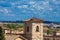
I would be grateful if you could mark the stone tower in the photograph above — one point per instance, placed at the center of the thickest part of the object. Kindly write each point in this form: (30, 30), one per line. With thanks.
(34, 29)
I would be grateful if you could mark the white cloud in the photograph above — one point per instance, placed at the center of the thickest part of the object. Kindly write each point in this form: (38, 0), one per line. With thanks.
(9, 14)
(32, 2)
(19, 6)
(24, 11)
(50, 8)
(22, 6)
(56, 1)
(32, 9)
(25, 6)
(41, 5)
(14, 3)
(46, 3)
(56, 14)
(5, 10)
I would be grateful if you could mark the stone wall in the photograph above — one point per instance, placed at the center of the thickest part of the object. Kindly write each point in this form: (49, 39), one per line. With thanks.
(11, 37)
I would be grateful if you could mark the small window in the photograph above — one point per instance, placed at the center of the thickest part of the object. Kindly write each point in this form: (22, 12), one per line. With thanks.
(37, 29)
(47, 39)
(27, 29)
(44, 39)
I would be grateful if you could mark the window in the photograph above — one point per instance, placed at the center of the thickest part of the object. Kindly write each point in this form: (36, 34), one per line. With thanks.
(37, 29)
(27, 29)
(44, 39)
(47, 39)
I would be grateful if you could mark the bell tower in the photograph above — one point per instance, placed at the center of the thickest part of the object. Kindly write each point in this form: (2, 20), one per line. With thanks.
(34, 29)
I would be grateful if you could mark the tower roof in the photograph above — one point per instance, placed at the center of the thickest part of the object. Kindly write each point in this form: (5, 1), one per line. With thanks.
(34, 20)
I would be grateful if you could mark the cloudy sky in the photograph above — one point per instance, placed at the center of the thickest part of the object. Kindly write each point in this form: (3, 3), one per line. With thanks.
(12, 10)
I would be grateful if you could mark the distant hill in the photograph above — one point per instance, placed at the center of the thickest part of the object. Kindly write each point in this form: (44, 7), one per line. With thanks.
(23, 22)
(51, 22)
(11, 21)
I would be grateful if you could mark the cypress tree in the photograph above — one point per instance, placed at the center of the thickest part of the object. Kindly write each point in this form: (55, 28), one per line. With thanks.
(1, 34)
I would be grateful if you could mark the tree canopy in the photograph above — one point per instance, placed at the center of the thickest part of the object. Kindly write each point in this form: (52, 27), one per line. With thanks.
(14, 26)
(1, 34)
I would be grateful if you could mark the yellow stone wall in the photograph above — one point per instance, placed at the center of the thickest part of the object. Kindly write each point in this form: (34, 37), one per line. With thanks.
(37, 35)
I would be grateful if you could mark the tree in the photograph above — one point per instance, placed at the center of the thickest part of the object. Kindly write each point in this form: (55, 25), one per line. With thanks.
(11, 26)
(1, 34)
(14, 26)
(48, 32)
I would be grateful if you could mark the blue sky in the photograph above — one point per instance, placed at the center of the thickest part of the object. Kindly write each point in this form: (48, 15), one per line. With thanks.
(12, 10)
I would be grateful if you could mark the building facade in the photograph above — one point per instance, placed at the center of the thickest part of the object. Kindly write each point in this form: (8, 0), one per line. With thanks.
(34, 29)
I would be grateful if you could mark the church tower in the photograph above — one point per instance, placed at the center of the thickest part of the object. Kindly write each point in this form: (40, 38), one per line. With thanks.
(33, 29)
